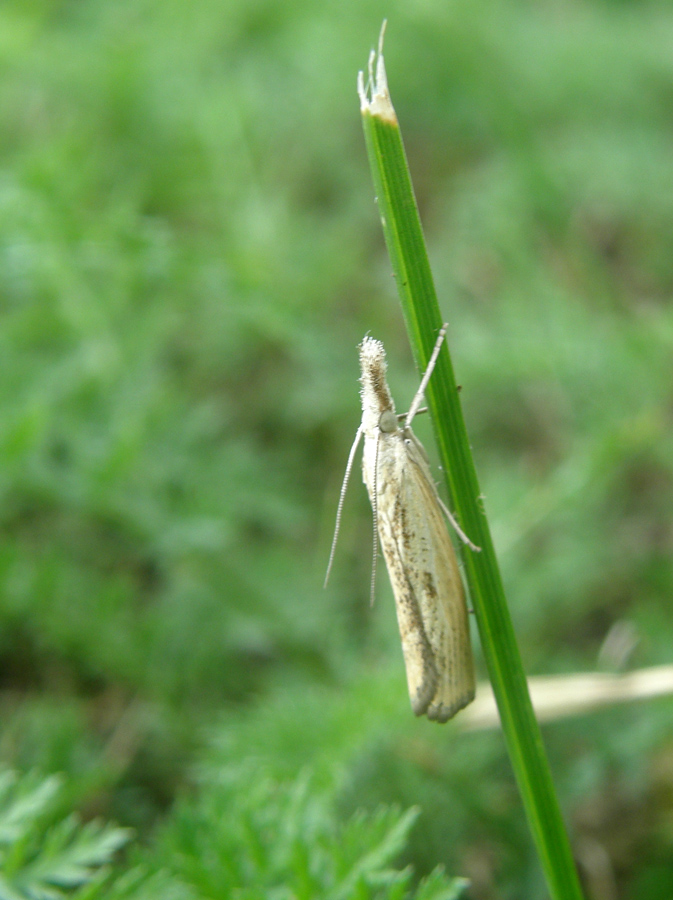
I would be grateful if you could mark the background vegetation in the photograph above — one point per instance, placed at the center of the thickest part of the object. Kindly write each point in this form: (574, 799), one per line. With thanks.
(189, 255)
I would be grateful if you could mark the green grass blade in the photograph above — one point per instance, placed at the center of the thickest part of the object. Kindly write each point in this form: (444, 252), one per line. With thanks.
(406, 246)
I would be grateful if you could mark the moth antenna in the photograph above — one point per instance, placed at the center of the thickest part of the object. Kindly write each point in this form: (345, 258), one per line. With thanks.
(459, 531)
(416, 402)
(342, 496)
(375, 516)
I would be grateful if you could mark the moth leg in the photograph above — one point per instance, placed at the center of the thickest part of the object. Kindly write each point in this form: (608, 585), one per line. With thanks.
(459, 531)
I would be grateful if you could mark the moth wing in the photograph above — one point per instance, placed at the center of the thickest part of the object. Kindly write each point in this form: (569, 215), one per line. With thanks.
(434, 579)
(392, 516)
(419, 660)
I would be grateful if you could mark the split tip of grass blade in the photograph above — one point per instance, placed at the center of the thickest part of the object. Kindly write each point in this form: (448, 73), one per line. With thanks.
(374, 94)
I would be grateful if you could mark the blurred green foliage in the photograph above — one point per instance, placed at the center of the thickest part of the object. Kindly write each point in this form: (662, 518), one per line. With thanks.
(189, 254)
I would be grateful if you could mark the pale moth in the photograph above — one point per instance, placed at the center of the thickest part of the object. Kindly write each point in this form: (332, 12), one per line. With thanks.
(429, 595)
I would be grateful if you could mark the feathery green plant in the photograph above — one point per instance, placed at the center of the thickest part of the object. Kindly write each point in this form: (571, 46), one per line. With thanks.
(242, 834)
(42, 858)
(251, 834)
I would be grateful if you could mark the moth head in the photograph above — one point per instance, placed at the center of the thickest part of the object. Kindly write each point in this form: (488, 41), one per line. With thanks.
(376, 399)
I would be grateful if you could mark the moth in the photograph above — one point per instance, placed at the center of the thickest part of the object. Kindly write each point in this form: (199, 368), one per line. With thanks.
(409, 518)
